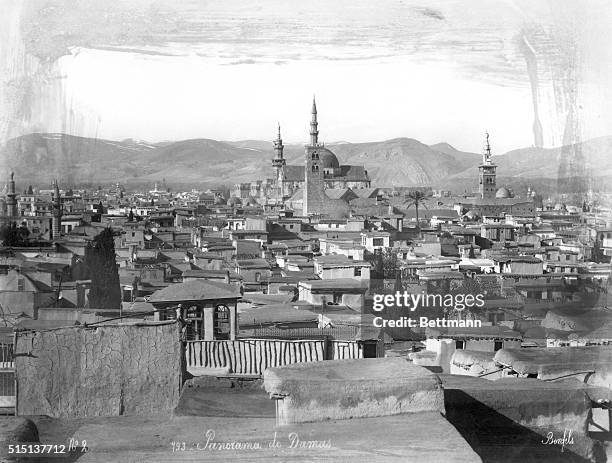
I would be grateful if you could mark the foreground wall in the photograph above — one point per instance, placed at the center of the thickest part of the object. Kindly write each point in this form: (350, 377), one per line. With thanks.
(102, 371)
(356, 388)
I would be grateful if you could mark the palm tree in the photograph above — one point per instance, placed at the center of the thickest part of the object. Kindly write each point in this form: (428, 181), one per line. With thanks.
(416, 198)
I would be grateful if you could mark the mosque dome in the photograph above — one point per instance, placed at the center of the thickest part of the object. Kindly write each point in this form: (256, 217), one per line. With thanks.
(503, 192)
(328, 159)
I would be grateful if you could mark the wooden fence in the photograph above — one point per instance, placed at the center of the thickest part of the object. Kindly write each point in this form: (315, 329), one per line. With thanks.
(253, 356)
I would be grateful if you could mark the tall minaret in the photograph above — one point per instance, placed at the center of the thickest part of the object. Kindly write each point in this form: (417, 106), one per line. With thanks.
(57, 211)
(279, 165)
(314, 131)
(487, 182)
(314, 198)
(11, 197)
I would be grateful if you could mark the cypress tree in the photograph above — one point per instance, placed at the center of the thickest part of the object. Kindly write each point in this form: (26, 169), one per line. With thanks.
(105, 292)
(472, 254)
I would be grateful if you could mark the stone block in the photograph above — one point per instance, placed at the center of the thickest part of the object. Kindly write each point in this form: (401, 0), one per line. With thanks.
(344, 389)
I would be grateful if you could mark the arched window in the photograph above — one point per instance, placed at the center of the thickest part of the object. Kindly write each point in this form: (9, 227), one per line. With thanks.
(221, 320)
(315, 155)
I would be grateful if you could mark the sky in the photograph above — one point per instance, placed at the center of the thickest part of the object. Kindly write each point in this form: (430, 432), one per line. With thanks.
(357, 101)
(433, 70)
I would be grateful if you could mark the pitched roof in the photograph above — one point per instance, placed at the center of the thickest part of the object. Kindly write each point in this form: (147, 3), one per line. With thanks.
(195, 290)
(345, 194)
(355, 173)
(366, 192)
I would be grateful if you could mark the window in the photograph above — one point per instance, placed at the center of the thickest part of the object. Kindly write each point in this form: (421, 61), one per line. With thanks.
(337, 298)
(459, 344)
(369, 350)
(357, 272)
(20, 284)
(497, 345)
(377, 242)
(257, 276)
(221, 321)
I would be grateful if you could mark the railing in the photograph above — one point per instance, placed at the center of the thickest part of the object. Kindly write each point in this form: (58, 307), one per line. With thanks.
(343, 332)
(253, 356)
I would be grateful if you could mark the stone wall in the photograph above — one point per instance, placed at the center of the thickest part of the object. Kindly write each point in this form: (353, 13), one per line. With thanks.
(131, 369)
(357, 388)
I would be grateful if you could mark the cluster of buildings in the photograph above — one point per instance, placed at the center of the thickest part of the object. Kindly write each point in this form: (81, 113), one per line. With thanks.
(300, 256)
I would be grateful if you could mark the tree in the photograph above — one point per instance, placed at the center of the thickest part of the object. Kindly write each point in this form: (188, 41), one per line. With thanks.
(598, 254)
(13, 236)
(105, 292)
(398, 287)
(131, 216)
(390, 264)
(376, 272)
(416, 199)
(472, 254)
(30, 190)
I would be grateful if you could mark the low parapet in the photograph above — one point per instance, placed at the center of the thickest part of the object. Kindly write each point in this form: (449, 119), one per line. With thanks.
(359, 388)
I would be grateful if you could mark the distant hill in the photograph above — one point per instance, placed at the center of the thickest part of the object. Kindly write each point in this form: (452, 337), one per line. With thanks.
(39, 157)
(553, 163)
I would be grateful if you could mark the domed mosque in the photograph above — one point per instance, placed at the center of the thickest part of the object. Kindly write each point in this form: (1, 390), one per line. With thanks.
(490, 200)
(321, 185)
(504, 192)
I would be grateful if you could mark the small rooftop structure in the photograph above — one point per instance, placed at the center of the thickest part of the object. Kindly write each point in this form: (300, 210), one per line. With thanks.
(196, 290)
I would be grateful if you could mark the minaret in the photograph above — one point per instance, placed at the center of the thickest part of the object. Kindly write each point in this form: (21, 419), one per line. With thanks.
(314, 198)
(11, 197)
(57, 211)
(279, 165)
(487, 182)
(314, 131)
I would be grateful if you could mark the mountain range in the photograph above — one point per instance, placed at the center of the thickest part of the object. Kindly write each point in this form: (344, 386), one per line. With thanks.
(37, 158)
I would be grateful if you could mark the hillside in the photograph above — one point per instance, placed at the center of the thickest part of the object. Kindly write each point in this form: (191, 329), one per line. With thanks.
(554, 163)
(38, 158)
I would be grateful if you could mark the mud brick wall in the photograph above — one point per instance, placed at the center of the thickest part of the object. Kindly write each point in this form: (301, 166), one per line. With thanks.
(104, 371)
